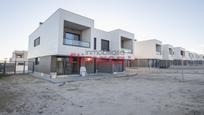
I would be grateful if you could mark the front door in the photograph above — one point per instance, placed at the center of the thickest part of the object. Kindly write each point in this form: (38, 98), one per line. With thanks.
(118, 67)
(75, 65)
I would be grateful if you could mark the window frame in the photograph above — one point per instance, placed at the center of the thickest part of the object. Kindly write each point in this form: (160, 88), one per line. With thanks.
(103, 40)
(95, 42)
(182, 53)
(37, 42)
(158, 47)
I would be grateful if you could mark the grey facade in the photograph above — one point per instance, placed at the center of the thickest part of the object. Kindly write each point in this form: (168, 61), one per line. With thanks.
(65, 65)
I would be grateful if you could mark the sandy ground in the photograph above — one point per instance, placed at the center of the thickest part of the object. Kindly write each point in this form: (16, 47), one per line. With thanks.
(144, 94)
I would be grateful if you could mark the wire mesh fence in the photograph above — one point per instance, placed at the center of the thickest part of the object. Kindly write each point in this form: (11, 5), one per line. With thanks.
(16, 67)
(167, 66)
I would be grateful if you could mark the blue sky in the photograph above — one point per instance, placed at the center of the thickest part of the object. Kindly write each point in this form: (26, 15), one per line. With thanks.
(176, 22)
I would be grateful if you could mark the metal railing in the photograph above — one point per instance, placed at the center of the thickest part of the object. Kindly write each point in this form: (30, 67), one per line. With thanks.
(166, 66)
(16, 67)
(125, 50)
(77, 43)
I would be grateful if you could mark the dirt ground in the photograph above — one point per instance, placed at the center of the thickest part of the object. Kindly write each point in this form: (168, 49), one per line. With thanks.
(144, 94)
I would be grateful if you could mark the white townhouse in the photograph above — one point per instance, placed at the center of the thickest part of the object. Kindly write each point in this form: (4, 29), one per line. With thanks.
(62, 42)
(188, 55)
(20, 57)
(198, 58)
(179, 53)
(179, 56)
(148, 53)
(194, 58)
(167, 56)
(167, 52)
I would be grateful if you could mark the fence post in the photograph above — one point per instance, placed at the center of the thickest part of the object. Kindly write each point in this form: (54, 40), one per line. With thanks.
(33, 68)
(15, 68)
(24, 67)
(182, 70)
(4, 69)
(149, 64)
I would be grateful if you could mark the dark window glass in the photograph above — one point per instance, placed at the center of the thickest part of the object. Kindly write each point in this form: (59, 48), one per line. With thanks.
(105, 45)
(171, 51)
(37, 61)
(158, 48)
(182, 53)
(95, 43)
(37, 42)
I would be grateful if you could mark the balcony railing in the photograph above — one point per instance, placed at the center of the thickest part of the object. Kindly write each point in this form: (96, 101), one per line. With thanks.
(77, 43)
(158, 53)
(126, 50)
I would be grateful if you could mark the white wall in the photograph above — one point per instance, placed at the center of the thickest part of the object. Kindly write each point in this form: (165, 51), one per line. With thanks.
(187, 55)
(49, 34)
(177, 53)
(75, 18)
(100, 34)
(147, 49)
(165, 52)
(116, 36)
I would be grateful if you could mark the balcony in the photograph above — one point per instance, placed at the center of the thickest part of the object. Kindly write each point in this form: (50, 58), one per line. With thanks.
(77, 43)
(125, 50)
(158, 53)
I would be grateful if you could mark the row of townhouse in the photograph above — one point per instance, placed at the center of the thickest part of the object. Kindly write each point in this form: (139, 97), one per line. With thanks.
(152, 53)
(66, 41)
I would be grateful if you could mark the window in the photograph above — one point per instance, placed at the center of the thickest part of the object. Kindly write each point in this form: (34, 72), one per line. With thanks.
(72, 36)
(171, 51)
(37, 42)
(105, 45)
(20, 63)
(94, 43)
(75, 40)
(122, 43)
(158, 48)
(182, 53)
(37, 61)
(19, 56)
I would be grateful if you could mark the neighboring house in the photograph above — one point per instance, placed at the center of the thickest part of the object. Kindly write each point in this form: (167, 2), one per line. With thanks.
(19, 57)
(167, 56)
(148, 53)
(202, 58)
(167, 52)
(187, 55)
(198, 59)
(66, 38)
(179, 56)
